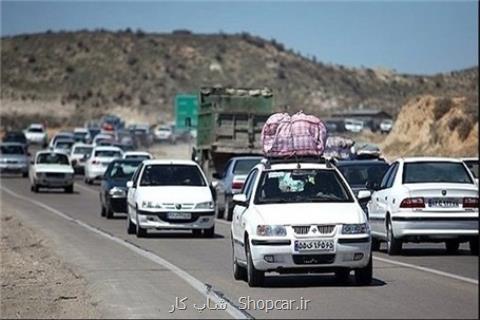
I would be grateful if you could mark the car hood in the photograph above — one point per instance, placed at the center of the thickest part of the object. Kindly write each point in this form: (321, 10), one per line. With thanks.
(116, 183)
(175, 194)
(310, 213)
(16, 157)
(53, 168)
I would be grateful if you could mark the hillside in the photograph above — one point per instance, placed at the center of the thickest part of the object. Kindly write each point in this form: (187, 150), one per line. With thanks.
(76, 75)
(434, 126)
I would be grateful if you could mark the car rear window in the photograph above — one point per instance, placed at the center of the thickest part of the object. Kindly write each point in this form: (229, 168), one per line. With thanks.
(360, 174)
(82, 150)
(137, 157)
(35, 130)
(473, 166)
(108, 153)
(172, 175)
(244, 166)
(64, 144)
(12, 150)
(52, 158)
(122, 170)
(435, 171)
(301, 186)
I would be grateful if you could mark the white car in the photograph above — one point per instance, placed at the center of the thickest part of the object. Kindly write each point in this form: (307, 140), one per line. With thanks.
(81, 135)
(425, 200)
(297, 218)
(353, 125)
(170, 194)
(99, 159)
(63, 145)
(37, 134)
(386, 126)
(164, 133)
(135, 155)
(58, 136)
(102, 136)
(79, 155)
(472, 164)
(51, 170)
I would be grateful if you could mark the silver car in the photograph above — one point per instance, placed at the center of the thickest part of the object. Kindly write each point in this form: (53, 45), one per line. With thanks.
(14, 158)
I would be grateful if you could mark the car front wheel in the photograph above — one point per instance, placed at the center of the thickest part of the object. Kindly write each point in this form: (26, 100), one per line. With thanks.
(363, 276)
(255, 278)
(239, 272)
(131, 229)
(452, 246)
(474, 246)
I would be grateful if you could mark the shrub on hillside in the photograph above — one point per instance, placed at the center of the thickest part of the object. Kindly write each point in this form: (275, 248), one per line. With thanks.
(454, 122)
(442, 106)
(464, 128)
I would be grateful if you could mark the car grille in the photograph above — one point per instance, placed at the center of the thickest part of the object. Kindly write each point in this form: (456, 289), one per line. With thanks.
(322, 229)
(313, 258)
(183, 206)
(55, 175)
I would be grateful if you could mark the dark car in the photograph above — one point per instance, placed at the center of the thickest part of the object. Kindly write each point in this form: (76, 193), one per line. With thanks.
(113, 190)
(15, 136)
(362, 175)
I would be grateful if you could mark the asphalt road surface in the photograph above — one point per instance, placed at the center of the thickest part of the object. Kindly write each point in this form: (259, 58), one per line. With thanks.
(143, 277)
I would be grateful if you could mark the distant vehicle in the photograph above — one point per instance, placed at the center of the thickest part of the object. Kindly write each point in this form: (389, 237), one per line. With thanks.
(126, 147)
(425, 200)
(51, 170)
(170, 194)
(353, 125)
(14, 158)
(137, 155)
(63, 145)
(104, 142)
(93, 132)
(60, 135)
(366, 150)
(36, 134)
(164, 133)
(299, 217)
(111, 123)
(331, 126)
(113, 190)
(386, 126)
(81, 135)
(98, 162)
(141, 134)
(15, 136)
(102, 136)
(472, 164)
(79, 155)
(362, 175)
(230, 182)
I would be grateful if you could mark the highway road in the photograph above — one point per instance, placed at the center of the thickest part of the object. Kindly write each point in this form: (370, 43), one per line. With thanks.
(143, 277)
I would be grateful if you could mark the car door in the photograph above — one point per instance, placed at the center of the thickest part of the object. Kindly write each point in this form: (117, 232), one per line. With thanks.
(374, 212)
(238, 220)
(131, 193)
(384, 199)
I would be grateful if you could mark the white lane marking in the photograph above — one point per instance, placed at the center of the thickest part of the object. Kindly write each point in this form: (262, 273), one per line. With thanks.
(408, 265)
(78, 185)
(205, 289)
(429, 270)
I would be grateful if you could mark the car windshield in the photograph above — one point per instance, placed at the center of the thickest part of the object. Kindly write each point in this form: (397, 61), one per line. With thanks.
(425, 172)
(15, 137)
(360, 174)
(301, 185)
(64, 144)
(12, 150)
(35, 130)
(108, 153)
(172, 175)
(122, 170)
(473, 166)
(82, 150)
(52, 158)
(137, 157)
(244, 166)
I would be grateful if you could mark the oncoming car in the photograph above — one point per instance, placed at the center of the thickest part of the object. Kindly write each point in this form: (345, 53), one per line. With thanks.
(297, 218)
(51, 170)
(170, 194)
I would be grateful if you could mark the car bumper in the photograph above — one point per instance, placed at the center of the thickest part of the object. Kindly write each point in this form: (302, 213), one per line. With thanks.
(54, 183)
(118, 204)
(10, 167)
(95, 172)
(349, 254)
(435, 226)
(199, 220)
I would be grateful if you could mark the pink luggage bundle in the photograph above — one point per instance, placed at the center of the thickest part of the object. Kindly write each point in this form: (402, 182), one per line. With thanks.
(298, 135)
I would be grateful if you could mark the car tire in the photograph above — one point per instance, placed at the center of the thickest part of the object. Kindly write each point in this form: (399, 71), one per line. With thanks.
(364, 276)
(131, 229)
(88, 181)
(452, 246)
(228, 211)
(239, 272)
(474, 246)
(196, 233)
(35, 188)
(109, 213)
(25, 174)
(103, 211)
(140, 232)
(69, 189)
(209, 233)
(375, 244)
(342, 275)
(255, 278)
(394, 246)
(219, 213)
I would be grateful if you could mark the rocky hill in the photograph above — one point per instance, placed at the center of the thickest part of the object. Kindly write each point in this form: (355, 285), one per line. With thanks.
(77, 75)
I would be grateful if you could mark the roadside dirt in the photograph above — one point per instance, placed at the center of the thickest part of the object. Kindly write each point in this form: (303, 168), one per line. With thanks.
(35, 283)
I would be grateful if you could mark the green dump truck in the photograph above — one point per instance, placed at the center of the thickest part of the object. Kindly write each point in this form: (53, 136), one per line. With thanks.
(230, 122)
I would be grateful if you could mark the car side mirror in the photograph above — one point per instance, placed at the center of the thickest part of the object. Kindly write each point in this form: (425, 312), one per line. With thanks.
(130, 184)
(372, 186)
(240, 199)
(364, 195)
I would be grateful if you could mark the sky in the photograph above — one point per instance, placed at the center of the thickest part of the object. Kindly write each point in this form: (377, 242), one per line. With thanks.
(415, 37)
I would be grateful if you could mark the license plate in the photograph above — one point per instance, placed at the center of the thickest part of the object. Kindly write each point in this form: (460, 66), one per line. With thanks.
(179, 215)
(443, 203)
(314, 245)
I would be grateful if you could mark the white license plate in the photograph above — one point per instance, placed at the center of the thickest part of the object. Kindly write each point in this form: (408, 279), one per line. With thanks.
(443, 203)
(314, 245)
(179, 215)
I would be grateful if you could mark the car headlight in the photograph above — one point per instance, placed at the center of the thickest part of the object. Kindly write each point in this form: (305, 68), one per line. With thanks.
(271, 231)
(118, 192)
(355, 228)
(151, 205)
(204, 205)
